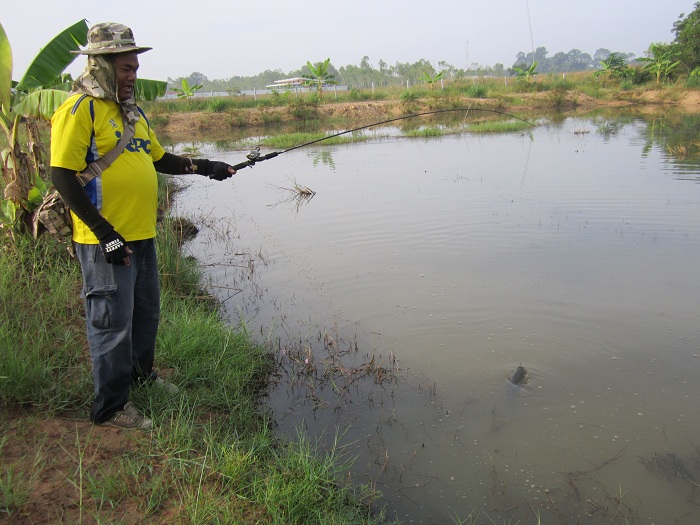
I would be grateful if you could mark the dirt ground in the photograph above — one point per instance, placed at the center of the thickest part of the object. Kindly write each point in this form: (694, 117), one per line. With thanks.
(49, 458)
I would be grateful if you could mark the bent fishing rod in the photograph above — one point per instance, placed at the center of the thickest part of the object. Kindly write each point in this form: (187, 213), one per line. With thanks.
(255, 155)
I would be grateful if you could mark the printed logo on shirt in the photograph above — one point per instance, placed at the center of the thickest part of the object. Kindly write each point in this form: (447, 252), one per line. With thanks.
(137, 144)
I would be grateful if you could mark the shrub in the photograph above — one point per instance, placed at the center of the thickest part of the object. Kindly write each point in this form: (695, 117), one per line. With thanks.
(477, 91)
(693, 82)
(409, 96)
(218, 105)
(304, 110)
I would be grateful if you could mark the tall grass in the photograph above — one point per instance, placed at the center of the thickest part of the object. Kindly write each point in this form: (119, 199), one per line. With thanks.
(42, 343)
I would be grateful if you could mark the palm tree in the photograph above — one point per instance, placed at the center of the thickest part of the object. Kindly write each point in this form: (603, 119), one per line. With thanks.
(319, 76)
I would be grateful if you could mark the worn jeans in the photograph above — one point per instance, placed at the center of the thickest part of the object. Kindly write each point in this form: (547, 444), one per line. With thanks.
(122, 309)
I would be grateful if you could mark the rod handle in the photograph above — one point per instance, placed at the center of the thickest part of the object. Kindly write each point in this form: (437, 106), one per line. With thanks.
(251, 162)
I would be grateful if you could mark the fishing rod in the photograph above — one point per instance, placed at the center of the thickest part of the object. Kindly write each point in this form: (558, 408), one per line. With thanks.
(255, 155)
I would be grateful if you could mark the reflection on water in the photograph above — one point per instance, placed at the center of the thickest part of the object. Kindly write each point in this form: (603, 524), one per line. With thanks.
(572, 250)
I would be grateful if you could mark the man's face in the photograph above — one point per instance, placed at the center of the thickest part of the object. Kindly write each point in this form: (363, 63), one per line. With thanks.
(127, 64)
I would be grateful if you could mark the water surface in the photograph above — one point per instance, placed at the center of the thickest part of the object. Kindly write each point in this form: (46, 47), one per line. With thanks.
(572, 249)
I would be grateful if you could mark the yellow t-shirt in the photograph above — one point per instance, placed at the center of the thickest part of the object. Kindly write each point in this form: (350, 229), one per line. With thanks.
(126, 194)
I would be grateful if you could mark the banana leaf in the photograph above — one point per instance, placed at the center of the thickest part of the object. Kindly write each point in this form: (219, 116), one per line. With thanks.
(5, 72)
(149, 89)
(41, 104)
(53, 59)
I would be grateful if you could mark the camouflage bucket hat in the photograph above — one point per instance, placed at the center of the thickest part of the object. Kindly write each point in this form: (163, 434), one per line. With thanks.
(110, 38)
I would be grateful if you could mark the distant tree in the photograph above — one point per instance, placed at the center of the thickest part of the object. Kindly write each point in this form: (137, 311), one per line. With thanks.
(687, 41)
(578, 61)
(447, 69)
(197, 78)
(600, 55)
(559, 62)
(525, 60)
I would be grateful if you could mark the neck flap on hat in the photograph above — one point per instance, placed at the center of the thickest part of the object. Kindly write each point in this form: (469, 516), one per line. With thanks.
(99, 80)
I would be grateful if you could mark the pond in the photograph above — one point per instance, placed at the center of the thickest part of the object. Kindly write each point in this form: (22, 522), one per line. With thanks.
(402, 295)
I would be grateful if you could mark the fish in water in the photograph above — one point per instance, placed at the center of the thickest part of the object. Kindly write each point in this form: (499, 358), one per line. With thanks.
(520, 376)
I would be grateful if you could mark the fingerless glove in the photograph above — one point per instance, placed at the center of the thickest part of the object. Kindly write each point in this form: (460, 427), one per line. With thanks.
(113, 247)
(211, 168)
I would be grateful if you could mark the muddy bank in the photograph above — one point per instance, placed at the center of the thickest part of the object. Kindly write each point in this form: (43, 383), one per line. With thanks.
(180, 127)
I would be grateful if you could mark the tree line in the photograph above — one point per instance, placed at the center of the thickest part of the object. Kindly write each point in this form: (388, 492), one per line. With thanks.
(366, 74)
(680, 57)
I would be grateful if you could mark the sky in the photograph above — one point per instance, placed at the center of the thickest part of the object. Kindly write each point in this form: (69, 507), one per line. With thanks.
(221, 39)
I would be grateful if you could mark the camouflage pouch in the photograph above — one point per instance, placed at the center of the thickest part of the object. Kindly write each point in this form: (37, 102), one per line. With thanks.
(55, 216)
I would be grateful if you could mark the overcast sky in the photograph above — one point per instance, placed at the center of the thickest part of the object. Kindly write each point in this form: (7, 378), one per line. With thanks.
(221, 39)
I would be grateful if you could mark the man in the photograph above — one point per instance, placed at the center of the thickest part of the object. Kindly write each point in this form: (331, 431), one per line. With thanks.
(114, 218)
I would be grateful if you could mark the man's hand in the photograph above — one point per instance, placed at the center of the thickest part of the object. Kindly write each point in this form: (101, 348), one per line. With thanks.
(115, 249)
(213, 169)
(219, 170)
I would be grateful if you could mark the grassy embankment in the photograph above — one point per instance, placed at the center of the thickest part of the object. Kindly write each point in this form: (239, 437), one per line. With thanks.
(285, 113)
(211, 457)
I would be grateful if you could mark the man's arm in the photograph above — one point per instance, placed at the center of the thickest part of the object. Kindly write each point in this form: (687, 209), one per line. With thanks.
(112, 243)
(176, 165)
(73, 194)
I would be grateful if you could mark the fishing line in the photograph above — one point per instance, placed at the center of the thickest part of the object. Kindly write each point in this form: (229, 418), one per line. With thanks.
(255, 155)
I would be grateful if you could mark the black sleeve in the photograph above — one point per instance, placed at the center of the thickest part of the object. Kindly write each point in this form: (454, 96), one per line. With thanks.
(173, 164)
(74, 196)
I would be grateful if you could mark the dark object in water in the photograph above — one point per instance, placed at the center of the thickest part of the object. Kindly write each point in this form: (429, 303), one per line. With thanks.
(519, 377)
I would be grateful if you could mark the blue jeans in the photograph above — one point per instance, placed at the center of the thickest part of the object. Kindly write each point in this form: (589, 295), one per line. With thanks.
(122, 310)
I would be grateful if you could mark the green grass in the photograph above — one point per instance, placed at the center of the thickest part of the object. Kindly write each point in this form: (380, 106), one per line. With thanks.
(499, 127)
(211, 457)
(41, 327)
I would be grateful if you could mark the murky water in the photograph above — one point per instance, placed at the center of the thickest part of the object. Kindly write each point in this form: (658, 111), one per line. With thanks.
(572, 249)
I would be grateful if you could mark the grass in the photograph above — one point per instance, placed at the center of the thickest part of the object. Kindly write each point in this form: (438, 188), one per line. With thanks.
(212, 456)
(427, 132)
(508, 126)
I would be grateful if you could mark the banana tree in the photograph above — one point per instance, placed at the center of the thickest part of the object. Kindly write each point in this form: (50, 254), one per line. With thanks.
(187, 91)
(40, 91)
(432, 79)
(661, 61)
(319, 76)
(614, 66)
(22, 167)
(525, 74)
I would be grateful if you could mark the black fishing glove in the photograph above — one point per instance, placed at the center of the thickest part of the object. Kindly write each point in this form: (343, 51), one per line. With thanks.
(213, 169)
(114, 248)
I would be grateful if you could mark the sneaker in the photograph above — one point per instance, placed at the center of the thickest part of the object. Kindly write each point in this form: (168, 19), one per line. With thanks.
(166, 385)
(129, 418)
